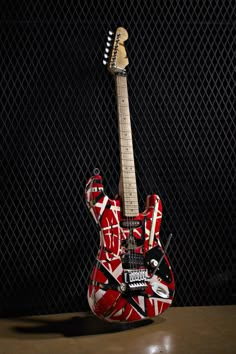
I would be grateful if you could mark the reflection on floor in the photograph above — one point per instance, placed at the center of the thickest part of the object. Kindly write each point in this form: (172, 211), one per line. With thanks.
(188, 330)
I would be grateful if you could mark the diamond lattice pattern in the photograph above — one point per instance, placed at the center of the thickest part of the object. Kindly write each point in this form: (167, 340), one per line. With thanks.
(58, 122)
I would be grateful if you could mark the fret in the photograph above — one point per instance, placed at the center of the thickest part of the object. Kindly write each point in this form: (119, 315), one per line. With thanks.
(128, 173)
(127, 164)
(132, 189)
(129, 185)
(125, 120)
(126, 154)
(130, 199)
(129, 168)
(125, 138)
(124, 126)
(123, 133)
(127, 160)
(126, 143)
(126, 151)
(128, 181)
(122, 83)
(131, 211)
(123, 103)
(124, 117)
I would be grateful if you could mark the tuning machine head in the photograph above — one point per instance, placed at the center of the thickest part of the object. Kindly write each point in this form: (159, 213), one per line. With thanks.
(109, 38)
(108, 47)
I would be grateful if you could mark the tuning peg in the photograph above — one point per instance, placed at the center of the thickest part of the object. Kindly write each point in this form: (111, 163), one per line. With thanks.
(106, 56)
(110, 33)
(104, 62)
(108, 44)
(109, 38)
(107, 50)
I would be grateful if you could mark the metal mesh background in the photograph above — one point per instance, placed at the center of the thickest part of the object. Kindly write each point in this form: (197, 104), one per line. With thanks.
(58, 122)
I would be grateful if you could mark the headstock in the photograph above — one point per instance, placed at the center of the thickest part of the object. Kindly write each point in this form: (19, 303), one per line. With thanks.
(115, 54)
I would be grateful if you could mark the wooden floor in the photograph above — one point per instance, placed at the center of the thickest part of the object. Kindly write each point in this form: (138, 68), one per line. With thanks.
(189, 330)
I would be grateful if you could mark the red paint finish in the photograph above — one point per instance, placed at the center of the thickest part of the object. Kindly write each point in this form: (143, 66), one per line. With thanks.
(105, 297)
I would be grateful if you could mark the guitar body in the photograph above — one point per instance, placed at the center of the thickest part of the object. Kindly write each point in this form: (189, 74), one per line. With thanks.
(126, 283)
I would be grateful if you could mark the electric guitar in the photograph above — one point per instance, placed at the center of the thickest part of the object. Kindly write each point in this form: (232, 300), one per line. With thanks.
(132, 278)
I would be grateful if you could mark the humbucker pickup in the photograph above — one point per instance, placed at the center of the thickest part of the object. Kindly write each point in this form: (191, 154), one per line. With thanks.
(129, 259)
(130, 223)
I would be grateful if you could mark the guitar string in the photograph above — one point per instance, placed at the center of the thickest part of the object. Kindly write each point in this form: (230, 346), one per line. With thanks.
(130, 236)
(130, 228)
(119, 79)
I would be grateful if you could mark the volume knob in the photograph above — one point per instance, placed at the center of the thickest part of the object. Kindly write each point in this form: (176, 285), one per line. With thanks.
(153, 263)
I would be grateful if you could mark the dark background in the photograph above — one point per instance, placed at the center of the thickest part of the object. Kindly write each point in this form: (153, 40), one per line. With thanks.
(58, 122)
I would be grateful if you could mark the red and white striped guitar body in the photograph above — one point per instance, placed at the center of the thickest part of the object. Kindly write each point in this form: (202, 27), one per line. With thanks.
(107, 296)
(132, 278)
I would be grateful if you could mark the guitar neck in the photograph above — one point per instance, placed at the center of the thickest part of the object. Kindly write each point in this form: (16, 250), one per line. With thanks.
(128, 186)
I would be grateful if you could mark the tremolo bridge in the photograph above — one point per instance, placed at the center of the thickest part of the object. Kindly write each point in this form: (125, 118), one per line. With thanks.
(134, 279)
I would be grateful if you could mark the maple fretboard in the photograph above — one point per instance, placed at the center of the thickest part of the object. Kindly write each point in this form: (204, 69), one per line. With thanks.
(128, 186)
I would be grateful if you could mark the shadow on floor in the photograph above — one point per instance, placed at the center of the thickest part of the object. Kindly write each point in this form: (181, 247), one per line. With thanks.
(74, 326)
